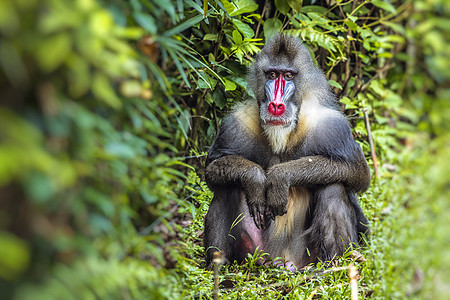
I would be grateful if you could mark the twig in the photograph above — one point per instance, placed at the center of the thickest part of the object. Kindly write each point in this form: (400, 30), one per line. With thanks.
(353, 273)
(260, 19)
(217, 259)
(372, 147)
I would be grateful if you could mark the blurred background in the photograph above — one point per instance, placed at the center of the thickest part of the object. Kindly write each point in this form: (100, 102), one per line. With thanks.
(107, 109)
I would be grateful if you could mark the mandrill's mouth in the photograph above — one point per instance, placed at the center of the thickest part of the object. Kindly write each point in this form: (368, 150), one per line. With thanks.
(277, 122)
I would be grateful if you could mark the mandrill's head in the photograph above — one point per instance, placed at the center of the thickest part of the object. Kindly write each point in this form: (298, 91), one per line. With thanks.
(282, 75)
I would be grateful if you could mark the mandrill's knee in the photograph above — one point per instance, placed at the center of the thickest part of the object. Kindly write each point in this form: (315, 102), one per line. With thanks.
(335, 191)
(334, 213)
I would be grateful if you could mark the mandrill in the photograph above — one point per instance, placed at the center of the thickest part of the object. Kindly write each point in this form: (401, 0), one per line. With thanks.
(287, 162)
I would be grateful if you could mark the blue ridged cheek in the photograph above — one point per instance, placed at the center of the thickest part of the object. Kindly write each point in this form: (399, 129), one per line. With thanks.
(289, 88)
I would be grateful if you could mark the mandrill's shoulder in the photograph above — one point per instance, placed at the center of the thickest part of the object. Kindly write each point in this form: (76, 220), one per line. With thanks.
(240, 134)
(246, 116)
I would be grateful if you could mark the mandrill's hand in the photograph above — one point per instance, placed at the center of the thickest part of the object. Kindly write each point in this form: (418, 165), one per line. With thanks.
(277, 192)
(253, 184)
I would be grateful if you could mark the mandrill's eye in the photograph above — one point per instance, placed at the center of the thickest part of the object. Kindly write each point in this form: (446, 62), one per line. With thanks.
(273, 75)
(288, 75)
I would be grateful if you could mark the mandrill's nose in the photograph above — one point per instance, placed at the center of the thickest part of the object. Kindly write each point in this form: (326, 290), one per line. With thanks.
(276, 108)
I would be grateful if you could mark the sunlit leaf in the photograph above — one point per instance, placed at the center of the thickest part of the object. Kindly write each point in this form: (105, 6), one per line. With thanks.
(246, 30)
(229, 85)
(14, 256)
(239, 7)
(237, 37)
(53, 51)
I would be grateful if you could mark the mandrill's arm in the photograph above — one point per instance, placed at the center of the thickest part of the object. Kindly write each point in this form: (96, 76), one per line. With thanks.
(234, 170)
(313, 171)
(332, 157)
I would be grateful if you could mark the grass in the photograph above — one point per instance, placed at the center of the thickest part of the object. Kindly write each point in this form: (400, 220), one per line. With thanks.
(406, 256)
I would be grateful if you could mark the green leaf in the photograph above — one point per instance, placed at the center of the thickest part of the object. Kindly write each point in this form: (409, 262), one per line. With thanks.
(120, 149)
(316, 17)
(396, 27)
(377, 87)
(314, 8)
(365, 59)
(210, 37)
(39, 187)
(348, 103)
(353, 18)
(211, 58)
(384, 5)
(282, 6)
(101, 87)
(239, 7)
(225, 50)
(271, 27)
(131, 88)
(80, 75)
(184, 25)
(206, 82)
(335, 84)
(219, 98)
(230, 8)
(168, 7)
(14, 256)
(352, 25)
(246, 30)
(146, 21)
(180, 68)
(53, 51)
(237, 37)
(296, 5)
(205, 8)
(229, 85)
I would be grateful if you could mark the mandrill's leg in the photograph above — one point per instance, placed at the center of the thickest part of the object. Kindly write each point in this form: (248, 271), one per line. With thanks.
(334, 223)
(229, 228)
(218, 221)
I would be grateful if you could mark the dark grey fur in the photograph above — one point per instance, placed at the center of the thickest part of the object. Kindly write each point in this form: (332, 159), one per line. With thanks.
(248, 177)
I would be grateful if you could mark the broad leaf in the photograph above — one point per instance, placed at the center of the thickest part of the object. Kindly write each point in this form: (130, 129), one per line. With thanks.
(271, 27)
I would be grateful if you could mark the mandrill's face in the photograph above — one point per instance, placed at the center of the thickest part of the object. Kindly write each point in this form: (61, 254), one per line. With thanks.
(279, 109)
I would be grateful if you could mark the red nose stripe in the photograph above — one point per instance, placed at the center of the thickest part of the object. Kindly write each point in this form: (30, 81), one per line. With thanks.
(279, 88)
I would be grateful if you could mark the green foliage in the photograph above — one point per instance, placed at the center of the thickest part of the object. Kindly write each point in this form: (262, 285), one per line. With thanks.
(88, 143)
(101, 99)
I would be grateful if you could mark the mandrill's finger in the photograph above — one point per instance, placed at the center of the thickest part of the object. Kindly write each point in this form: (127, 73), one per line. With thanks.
(257, 220)
(259, 216)
(272, 215)
(254, 214)
(262, 221)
